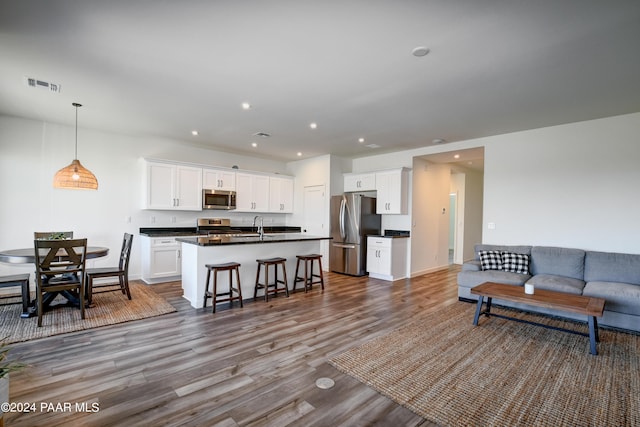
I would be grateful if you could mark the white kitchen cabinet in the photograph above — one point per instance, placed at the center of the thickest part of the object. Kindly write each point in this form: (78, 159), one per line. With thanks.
(281, 194)
(387, 258)
(218, 179)
(161, 259)
(173, 187)
(252, 192)
(392, 191)
(359, 182)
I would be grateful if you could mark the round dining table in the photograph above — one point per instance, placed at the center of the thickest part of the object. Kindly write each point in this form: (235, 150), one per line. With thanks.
(28, 256)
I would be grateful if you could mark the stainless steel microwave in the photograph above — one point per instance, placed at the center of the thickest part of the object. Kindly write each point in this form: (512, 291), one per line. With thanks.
(218, 199)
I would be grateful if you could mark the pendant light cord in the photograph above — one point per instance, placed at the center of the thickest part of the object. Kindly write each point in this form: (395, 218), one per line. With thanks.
(75, 104)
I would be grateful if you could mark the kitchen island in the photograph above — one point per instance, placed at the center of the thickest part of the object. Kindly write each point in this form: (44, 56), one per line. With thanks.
(245, 249)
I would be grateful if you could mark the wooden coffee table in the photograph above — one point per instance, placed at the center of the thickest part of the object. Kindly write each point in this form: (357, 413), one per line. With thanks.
(591, 307)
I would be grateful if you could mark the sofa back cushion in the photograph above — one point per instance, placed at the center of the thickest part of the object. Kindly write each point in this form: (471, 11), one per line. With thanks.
(502, 248)
(565, 262)
(612, 267)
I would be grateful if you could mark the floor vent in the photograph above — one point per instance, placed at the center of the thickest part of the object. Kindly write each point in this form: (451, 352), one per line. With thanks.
(41, 84)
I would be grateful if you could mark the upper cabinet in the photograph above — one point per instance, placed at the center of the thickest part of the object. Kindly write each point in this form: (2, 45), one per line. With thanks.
(218, 179)
(281, 194)
(359, 182)
(252, 192)
(173, 187)
(392, 188)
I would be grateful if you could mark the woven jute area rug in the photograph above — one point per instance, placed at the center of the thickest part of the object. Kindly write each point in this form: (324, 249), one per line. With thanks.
(110, 308)
(502, 373)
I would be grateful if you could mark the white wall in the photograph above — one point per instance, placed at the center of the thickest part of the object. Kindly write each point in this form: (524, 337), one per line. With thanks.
(32, 151)
(473, 208)
(573, 185)
(430, 231)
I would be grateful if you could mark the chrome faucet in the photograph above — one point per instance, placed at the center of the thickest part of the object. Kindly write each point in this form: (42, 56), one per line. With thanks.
(260, 225)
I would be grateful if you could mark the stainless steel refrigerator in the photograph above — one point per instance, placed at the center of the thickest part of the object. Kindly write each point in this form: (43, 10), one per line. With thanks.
(353, 217)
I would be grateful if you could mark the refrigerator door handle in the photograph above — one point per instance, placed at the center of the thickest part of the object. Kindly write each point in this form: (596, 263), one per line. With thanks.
(337, 245)
(343, 205)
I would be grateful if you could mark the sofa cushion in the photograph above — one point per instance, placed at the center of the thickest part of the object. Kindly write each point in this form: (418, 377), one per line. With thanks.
(551, 282)
(471, 266)
(565, 262)
(501, 248)
(490, 260)
(469, 279)
(619, 297)
(612, 267)
(515, 263)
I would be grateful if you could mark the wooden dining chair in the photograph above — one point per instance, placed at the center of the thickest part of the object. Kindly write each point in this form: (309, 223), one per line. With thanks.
(121, 271)
(53, 235)
(60, 267)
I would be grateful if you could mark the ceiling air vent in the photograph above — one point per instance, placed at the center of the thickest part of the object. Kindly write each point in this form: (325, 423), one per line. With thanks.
(41, 84)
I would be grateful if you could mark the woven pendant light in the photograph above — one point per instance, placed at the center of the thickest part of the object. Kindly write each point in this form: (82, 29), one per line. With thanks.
(75, 176)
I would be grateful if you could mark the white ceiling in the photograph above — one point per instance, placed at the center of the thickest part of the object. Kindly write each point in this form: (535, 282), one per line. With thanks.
(164, 68)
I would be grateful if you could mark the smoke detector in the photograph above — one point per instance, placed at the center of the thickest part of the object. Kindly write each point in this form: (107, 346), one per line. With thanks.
(41, 84)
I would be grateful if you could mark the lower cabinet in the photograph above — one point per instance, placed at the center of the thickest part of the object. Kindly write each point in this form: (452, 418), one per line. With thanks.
(161, 259)
(386, 257)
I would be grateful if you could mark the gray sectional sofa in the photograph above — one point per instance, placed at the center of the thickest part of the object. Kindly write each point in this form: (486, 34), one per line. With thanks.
(612, 276)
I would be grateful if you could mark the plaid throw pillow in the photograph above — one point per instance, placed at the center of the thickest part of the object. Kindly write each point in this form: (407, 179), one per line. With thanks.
(515, 263)
(490, 260)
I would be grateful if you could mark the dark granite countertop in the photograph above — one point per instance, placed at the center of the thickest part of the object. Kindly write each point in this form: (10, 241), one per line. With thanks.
(192, 231)
(393, 234)
(249, 239)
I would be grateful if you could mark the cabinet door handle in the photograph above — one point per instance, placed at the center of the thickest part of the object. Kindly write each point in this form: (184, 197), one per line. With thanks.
(178, 253)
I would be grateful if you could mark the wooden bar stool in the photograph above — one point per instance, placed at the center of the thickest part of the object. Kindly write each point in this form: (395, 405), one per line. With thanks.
(275, 262)
(307, 280)
(215, 295)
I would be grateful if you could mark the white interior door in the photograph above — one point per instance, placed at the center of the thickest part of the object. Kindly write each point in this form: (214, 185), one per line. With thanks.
(315, 217)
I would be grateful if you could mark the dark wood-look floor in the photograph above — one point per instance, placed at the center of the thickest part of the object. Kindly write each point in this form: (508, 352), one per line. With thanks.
(253, 366)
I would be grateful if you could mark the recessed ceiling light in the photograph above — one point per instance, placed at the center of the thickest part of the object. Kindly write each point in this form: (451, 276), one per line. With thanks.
(299, 154)
(420, 51)
(457, 156)
(439, 141)
(194, 133)
(246, 106)
(313, 125)
(254, 144)
(360, 140)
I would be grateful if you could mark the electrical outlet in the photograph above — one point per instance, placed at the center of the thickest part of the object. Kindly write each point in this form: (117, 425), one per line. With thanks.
(173, 219)
(152, 220)
(491, 226)
(127, 219)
